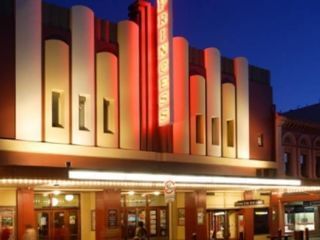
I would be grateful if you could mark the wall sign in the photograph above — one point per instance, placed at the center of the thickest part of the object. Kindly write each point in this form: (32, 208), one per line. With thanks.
(169, 191)
(112, 218)
(181, 216)
(249, 203)
(200, 216)
(164, 39)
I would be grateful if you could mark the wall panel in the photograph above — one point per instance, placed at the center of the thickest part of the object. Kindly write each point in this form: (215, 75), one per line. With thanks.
(128, 40)
(28, 70)
(56, 73)
(241, 71)
(228, 116)
(107, 100)
(83, 82)
(197, 115)
(213, 92)
(181, 95)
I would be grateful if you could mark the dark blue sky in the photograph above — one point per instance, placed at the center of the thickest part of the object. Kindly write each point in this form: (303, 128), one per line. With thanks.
(280, 35)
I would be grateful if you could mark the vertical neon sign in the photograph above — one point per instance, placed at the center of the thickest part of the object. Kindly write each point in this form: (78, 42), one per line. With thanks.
(164, 36)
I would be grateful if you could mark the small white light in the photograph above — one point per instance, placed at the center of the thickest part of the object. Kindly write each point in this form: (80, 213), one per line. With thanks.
(219, 213)
(54, 202)
(131, 193)
(261, 213)
(68, 197)
(56, 192)
(156, 193)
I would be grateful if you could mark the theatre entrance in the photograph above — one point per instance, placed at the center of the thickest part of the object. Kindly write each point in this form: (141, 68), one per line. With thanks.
(150, 209)
(57, 217)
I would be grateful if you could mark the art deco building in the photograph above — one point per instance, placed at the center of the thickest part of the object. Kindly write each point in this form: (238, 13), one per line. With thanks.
(103, 124)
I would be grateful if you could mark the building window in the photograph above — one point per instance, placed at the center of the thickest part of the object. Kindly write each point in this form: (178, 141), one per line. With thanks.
(260, 140)
(318, 166)
(107, 116)
(215, 131)
(230, 133)
(303, 165)
(57, 109)
(287, 163)
(199, 129)
(82, 113)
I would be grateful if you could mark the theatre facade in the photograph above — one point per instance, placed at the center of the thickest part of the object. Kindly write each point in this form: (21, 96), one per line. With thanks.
(104, 124)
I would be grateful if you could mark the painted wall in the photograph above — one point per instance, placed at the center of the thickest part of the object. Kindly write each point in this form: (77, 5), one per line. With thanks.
(181, 95)
(195, 209)
(198, 115)
(28, 70)
(56, 75)
(83, 76)
(107, 93)
(8, 197)
(213, 93)
(128, 40)
(222, 200)
(87, 206)
(25, 210)
(228, 114)
(261, 122)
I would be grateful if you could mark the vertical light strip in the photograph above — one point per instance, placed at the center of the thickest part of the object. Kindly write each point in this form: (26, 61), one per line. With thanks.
(164, 30)
(28, 70)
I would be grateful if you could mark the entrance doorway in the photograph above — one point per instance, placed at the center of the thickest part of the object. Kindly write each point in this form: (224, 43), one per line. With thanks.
(147, 208)
(62, 224)
(224, 224)
(57, 216)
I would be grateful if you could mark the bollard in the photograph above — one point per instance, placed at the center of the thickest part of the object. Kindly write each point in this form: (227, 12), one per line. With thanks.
(306, 234)
(279, 233)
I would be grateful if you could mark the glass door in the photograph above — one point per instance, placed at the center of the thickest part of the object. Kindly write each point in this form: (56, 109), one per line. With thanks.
(58, 224)
(59, 230)
(43, 220)
(134, 215)
(158, 223)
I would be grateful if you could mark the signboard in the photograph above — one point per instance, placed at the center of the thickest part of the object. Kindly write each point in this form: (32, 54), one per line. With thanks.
(311, 203)
(169, 191)
(249, 203)
(112, 218)
(164, 47)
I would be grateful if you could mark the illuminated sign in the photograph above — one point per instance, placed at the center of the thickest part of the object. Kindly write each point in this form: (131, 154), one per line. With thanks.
(164, 35)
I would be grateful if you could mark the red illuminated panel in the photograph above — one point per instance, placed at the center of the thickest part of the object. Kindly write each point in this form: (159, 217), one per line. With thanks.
(164, 34)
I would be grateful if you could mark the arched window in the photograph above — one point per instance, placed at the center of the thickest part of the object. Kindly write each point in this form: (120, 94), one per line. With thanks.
(288, 139)
(304, 141)
(316, 143)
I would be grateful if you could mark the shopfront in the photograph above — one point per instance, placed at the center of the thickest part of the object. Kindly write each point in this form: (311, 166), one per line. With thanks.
(301, 215)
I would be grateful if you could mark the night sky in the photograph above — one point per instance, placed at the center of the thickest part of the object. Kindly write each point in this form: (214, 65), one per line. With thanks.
(280, 35)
